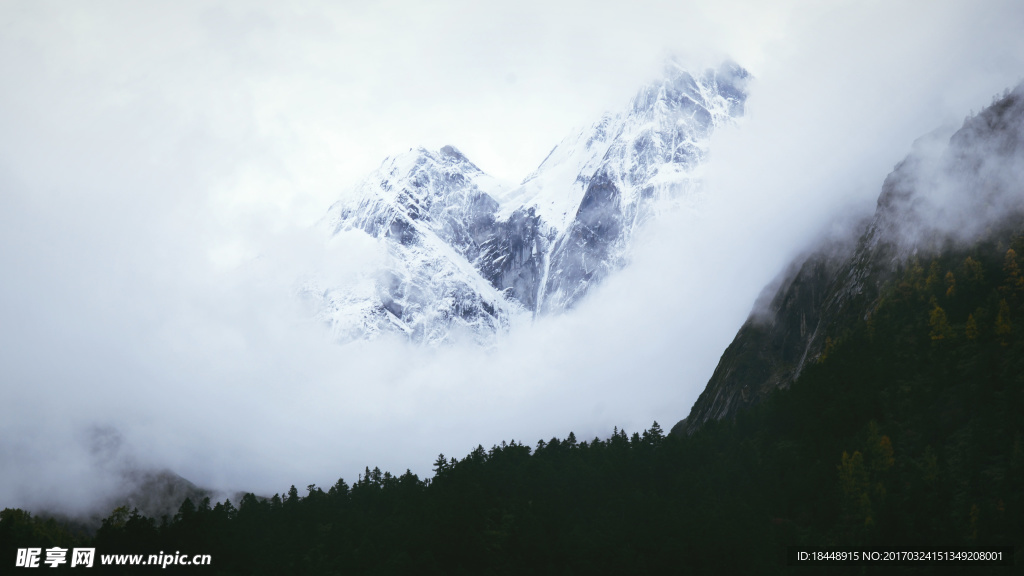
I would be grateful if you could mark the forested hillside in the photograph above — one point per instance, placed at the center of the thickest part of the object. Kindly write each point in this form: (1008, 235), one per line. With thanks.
(946, 194)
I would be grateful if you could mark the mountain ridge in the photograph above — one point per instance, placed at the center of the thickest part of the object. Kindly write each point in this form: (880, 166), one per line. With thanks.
(937, 197)
(467, 252)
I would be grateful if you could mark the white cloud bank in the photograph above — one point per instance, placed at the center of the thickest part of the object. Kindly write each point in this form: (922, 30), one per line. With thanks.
(160, 165)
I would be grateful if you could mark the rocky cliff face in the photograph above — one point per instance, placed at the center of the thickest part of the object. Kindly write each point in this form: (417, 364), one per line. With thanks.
(434, 213)
(650, 154)
(466, 253)
(945, 193)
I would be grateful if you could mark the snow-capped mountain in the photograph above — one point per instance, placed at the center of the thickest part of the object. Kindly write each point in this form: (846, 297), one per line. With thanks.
(433, 212)
(467, 253)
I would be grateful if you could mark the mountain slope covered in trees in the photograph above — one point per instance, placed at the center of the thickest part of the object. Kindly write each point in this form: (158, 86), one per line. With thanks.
(944, 196)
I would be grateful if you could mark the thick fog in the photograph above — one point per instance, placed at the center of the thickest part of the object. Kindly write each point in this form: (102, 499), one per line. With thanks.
(162, 166)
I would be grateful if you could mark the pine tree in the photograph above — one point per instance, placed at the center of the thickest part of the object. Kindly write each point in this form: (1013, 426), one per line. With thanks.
(119, 516)
(186, 512)
(854, 483)
(878, 453)
(971, 329)
(915, 275)
(1011, 268)
(932, 281)
(340, 488)
(440, 465)
(829, 346)
(973, 273)
(940, 328)
(1003, 326)
(1013, 282)
(654, 436)
(293, 497)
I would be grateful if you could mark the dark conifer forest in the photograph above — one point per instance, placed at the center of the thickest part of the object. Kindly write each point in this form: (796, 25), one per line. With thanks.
(908, 430)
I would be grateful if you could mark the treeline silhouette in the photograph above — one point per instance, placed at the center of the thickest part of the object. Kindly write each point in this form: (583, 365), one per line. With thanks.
(907, 431)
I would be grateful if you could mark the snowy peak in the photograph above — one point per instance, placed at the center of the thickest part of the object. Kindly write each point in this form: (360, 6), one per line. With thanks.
(719, 92)
(649, 156)
(667, 129)
(654, 142)
(467, 251)
(421, 184)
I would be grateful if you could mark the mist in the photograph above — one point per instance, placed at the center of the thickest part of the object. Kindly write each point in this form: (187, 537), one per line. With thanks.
(162, 167)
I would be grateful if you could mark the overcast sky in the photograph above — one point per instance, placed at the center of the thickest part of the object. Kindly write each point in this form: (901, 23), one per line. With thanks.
(161, 165)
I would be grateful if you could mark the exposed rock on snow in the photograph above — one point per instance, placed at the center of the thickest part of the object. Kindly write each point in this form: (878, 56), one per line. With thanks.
(467, 253)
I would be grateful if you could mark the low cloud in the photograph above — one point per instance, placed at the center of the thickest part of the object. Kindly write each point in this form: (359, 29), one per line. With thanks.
(159, 182)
